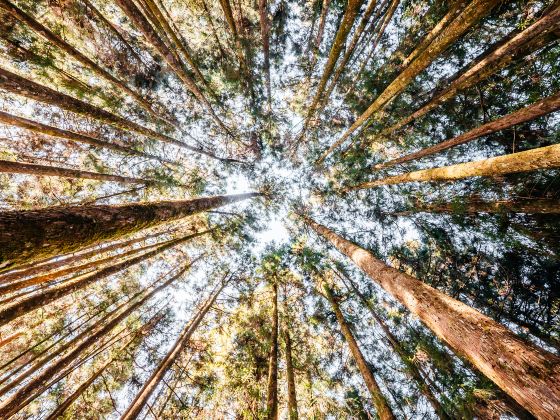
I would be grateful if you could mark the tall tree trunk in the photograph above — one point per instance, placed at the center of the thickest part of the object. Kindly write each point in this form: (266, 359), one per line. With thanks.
(528, 40)
(527, 373)
(538, 109)
(223, 54)
(14, 311)
(10, 167)
(78, 56)
(381, 406)
(292, 399)
(29, 89)
(320, 31)
(473, 206)
(529, 160)
(48, 130)
(20, 398)
(470, 15)
(272, 387)
(170, 358)
(265, 29)
(351, 12)
(27, 235)
(412, 369)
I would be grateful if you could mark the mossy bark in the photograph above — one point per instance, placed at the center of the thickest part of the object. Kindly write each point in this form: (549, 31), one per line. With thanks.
(526, 372)
(28, 235)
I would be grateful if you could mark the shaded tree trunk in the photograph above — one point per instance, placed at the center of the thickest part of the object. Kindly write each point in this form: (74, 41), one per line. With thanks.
(527, 373)
(272, 387)
(170, 358)
(538, 109)
(10, 167)
(468, 17)
(265, 29)
(529, 160)
(473, 206)
(27, 235)
(381, 406)
(320, 31)
(292, 399)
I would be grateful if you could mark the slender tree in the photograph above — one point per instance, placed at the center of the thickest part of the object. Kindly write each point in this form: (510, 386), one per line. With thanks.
(538, 109)
(170, 358)
(27, 235)
(290, 374)
(381, 406)
(524, 371)
(272, 387)
(529, 160)
(265, 29)
(320, 31)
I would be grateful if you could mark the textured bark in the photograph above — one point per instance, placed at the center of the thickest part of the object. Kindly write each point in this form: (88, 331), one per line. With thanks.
(78, 56)
(525, 372)
(48, 130)
(528, 206)
(412, 369)
(10, 167)
(381, 406)
(538, 109)
(530, 160)
(272, 386)
(170, 358)
(28, 235)
(15, 310)
(530, 39)
(290, 378)
(138, 19)
(17, 400)
(470, 15)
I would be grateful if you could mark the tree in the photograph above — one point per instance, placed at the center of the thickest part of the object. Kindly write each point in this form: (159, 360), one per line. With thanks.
(272, 388)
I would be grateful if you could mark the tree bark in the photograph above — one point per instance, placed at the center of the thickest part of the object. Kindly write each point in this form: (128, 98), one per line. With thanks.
(19, 399)
(292, 399)
(28, 235)
(471, 206)
(381, 406)
(272, 394)
(530, 39)
(468, 17)
(78, 56)
(170, 358)
(527, 373)
(14, 311)
(48, 130)
(10, 167)
(540, 158)
(543, 107)
(320, 31)
(265, 29)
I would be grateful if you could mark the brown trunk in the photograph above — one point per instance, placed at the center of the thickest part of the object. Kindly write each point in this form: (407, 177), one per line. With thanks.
(381, 406)
(27, 235)
(470, 15)
(71, 51)
(530, 160)
(292, 400)
(543, 107)
(320, 31)
(466, 205)
(21, 397)
(265, 28)
(412, 369)
(527, 373)
(214, 33)
(170, 358)
(272, 394)
(7, 166)
(530, 39)
(11, 312)
(9, 339)
(48, 130)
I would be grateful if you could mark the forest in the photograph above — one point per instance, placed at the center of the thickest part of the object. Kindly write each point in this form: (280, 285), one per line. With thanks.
(280, 209)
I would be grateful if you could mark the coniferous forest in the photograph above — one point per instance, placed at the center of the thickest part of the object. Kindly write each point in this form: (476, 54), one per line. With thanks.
(288, 209)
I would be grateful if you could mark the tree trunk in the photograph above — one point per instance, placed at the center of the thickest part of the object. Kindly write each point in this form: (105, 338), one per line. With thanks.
(27, 235)
(530, 39)
(412, 369)
(543, 107)
(529, 160)
(320, 31)
(468, 17)
(272, 394)
(265, 29)
(527, 373)
(292, 400)
(19, 399)
(381, 406)
(78, 56)
(471, 206)
(11, 312)
(7, 166)
(48, 130)
(170, 358)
